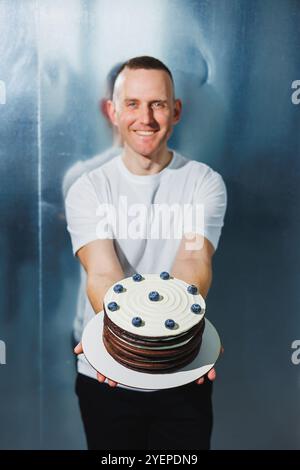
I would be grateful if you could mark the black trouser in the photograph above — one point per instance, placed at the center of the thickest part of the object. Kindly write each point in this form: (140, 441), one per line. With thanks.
(116, 418)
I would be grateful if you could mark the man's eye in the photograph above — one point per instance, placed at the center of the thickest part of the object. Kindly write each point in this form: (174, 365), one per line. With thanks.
(158, 105)
(131, 104)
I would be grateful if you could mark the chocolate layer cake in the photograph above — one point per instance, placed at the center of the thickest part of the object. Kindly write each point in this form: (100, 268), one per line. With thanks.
(153, 323)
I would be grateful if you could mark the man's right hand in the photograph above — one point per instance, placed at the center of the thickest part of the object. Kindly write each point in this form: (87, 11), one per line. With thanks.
(101, 378)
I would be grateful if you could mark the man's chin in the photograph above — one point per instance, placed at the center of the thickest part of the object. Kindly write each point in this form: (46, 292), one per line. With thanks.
(146, 153)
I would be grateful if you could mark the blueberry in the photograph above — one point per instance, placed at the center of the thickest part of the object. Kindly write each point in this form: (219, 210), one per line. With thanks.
(112, 306)
(136, 321)
(170, 323)
(137, 277)
(154, 296)
(196, 308)
(192, 289)
(118, 288)
(164, 275)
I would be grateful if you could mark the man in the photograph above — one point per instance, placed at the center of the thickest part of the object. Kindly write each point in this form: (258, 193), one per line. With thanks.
(144, 110)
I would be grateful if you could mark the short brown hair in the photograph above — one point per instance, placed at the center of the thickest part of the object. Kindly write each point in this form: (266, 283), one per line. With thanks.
(142, 62)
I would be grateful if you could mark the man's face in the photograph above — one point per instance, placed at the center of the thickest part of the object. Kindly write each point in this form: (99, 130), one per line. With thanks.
(144, 110)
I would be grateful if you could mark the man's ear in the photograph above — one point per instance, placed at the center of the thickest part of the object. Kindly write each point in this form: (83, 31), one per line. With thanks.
(111, 112)
(103, 108)
(177, 111)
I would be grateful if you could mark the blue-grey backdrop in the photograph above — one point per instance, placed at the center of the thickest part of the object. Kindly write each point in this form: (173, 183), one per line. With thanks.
(234, 62)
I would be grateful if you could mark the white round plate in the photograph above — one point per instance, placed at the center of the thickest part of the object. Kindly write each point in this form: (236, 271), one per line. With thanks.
(102, 361)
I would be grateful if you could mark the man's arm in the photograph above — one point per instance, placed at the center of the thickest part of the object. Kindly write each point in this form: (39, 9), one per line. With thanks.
(194, 266)
(103, 269)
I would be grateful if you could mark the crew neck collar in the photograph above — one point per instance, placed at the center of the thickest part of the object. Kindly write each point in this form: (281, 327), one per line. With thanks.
(145, 179)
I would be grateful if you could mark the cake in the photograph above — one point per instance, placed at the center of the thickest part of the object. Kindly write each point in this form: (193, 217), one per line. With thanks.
(153, 323)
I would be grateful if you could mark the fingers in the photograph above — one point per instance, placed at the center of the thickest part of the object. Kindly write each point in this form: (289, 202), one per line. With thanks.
(111, 383)
(78, 349)
(101, 378)
(222, 350)
(200, 381)
(211, 375)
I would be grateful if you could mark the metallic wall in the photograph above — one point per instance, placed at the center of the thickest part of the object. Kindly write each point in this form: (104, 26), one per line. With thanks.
(234, 62)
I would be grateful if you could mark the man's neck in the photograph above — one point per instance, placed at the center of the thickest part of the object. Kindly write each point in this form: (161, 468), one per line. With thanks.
(142, 165)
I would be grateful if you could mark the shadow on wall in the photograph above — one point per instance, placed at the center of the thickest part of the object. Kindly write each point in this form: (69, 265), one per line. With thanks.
(201, 132)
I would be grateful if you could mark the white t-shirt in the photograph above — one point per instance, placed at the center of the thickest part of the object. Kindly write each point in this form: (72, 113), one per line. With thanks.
(140, 203)
(84, 166)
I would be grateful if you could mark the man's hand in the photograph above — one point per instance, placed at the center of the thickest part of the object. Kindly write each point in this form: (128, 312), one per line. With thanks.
(101, 378)
(211, 375)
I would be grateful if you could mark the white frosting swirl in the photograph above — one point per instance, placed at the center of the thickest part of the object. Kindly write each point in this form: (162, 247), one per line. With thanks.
(175, 303)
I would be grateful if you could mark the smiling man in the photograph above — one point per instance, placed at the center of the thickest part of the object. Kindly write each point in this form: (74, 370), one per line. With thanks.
(144, 110)
(148, 173)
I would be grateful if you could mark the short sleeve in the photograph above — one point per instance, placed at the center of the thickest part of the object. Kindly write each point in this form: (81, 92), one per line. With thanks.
(71, 176)
(211, 194)
(84, 214)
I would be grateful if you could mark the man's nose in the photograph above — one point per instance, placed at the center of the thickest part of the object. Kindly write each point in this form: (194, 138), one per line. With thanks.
(146, 115)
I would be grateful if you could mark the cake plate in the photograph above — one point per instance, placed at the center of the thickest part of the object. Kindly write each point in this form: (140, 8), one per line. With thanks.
(96, 354)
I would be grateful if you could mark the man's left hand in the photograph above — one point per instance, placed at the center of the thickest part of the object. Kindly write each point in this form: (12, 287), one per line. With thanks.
(211, 375)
